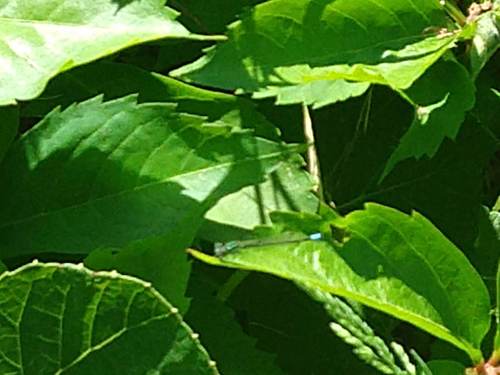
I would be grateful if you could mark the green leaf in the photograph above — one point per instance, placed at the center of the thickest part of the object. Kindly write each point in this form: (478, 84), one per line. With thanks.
(114, 80)
(41, 39)
(376, 265)
(354, 331)
(275, 311)
(64, 319)
(316, 93)
(487, 108)
(497, 337)
(208, 16)
(495, 221)
(447, 188)
(281, 44)
(445, 367)
(8, 128)
(156, 261)
(486, 248)
(486, 40)
(228, 343)
(287, 188)
(107, 174)
(442, 96)
(2, 267)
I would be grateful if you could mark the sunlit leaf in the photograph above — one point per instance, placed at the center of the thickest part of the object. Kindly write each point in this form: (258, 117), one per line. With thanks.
(43, 38)
(279, 48)
(486, 40)
(287, 188)
(101, 175)
(399, 264)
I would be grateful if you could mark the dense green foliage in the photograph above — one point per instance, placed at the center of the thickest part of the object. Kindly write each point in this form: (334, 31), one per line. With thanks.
(312, 186)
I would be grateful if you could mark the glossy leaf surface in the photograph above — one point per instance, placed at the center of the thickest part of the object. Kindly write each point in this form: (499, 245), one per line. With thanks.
(395, 263)
(281, 44)
(43, 38)
(486, 39)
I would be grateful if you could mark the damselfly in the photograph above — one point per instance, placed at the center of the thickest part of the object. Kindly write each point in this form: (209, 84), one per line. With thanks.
(221, 249)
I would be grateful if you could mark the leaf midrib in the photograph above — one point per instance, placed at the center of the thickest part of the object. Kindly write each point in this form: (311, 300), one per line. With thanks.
(109, 340)
(394, 310)
(89, 25)
(376, 3)
(137, 189)
(319, 59)
(415, 252)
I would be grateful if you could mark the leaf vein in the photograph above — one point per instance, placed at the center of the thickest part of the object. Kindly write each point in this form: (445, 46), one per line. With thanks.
(139, 188)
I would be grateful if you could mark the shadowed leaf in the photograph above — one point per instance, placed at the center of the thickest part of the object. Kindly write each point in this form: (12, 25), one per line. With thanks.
(64, 319)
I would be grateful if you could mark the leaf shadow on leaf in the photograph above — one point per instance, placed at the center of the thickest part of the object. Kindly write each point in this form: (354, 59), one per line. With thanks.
(285, 321)
(486, 250)
(374, 267)
(128, 220)
(446, 188)
(292, 55)
(116, 80)
(121, 4)
(313, 17)
(270, 45)
(74, 204)
(85, 216)
(106, 317)
(198, 15)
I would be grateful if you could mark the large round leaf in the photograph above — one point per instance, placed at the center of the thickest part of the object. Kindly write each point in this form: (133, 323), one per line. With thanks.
(65, 319)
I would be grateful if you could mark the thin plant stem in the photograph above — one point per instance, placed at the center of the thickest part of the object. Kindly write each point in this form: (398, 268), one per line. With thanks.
(231, 284)
(454, 11)
(312, 155)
